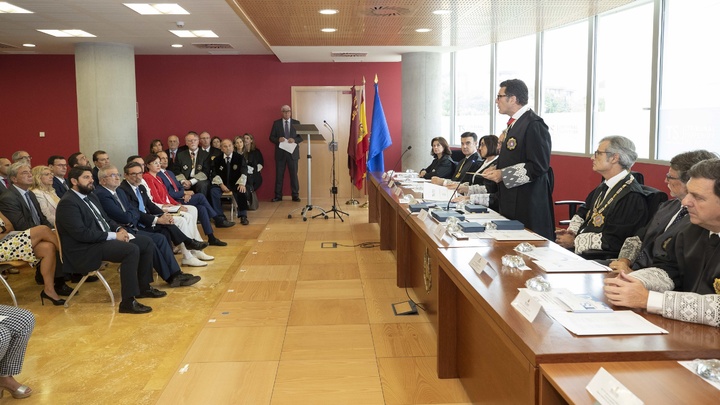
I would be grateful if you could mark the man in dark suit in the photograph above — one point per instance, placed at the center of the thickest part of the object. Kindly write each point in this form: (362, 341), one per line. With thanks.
(283, 131)
(179, 194)
(694, 295)
(88, 236)
(231, 175)
(174, 148)
(118, 207)
(21, 207)
(58, 166)
(193, 168)
(4, 181)
(100, 158)
(206, 145)
(652, 242)
(523, 169)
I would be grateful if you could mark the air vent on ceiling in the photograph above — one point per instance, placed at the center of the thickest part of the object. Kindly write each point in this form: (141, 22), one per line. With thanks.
(348, 54)
(213, 46)
(387, 11)
(7, 46)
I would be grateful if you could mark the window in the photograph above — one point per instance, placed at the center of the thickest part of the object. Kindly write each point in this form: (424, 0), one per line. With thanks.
(689, 103)
(447, 109)
(623, 76)
(564, 84)
(515, 60)
(472, 92)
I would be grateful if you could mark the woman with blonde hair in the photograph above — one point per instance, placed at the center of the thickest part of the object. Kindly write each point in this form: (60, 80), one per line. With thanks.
(43, 189)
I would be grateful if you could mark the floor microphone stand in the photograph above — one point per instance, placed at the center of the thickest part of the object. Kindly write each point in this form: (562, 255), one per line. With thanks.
(308, 130)
(337, 213)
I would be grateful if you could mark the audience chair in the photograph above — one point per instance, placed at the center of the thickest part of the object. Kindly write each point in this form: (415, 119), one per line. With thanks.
(229, 197)
(8, 265)
(95, 272)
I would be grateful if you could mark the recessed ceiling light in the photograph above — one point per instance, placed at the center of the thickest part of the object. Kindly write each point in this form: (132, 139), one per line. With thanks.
(176, 45)
(6, 7)
(29, 45)
(156, 8)
(442, 12)
(329, 11)
(423, 30)
(68, 33)
(328, 30)
(194, 33)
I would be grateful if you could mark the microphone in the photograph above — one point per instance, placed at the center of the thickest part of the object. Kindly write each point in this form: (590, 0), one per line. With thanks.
(401, 156)
(332, 145)
(458, 186)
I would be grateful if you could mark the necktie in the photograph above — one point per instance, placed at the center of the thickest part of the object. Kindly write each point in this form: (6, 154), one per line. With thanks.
(33, 211)
(7, 185)
(100, 220)
(65, 184)
(714, 240)
(601, 192)
(141, 203)
(192, 159)
(287, 130)
(510, 121)
(170, 180)
(683, 211)
(172, 155)
(119, 203)
(227, 174)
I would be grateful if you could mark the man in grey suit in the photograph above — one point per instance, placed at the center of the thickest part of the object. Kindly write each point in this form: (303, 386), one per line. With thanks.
(651, 242)
(282, 130)
(695, 296)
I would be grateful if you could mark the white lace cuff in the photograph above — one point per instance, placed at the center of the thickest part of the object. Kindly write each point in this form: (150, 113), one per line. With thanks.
(654, 279)
(630, 248)
(588, 240)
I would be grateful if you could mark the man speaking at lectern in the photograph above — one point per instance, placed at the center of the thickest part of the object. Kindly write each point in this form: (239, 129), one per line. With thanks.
(283, 131)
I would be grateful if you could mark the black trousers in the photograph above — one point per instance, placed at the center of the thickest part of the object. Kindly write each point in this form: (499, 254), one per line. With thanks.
(136, 261)
(281, 163)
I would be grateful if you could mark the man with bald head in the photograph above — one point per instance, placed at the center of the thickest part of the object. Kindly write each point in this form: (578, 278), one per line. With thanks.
(174, 148)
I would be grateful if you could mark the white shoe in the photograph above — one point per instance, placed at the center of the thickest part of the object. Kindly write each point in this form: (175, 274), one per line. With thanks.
(202, 255)
(193, 262)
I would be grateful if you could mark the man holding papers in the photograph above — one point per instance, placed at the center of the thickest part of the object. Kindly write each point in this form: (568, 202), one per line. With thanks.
(282, 134)
(697, 260)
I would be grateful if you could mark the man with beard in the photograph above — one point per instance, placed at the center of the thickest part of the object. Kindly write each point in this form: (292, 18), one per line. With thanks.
(88, 237)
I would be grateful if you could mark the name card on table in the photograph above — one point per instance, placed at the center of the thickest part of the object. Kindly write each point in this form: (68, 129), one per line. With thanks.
(439, 231)
(607, 390)
(391, 183)
(423, 215)
(528, 306)
(397, 191)
(480, 265)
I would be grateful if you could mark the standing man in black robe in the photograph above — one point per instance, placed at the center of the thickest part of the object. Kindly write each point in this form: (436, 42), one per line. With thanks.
(523, 173)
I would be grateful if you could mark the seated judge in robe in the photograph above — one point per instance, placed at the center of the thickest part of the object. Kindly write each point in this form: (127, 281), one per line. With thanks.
(653, 241)
(442, 164)
(695, 297)
(616, 209)
(485, 189)
(470, 163)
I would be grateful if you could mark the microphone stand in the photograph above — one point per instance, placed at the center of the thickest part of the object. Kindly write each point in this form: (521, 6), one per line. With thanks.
(337, 213)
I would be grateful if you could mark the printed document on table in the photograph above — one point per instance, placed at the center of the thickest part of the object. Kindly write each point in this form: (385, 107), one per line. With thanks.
(514, 235)
(571, 266)
(287, 146)
(606, 323)
(433, 192)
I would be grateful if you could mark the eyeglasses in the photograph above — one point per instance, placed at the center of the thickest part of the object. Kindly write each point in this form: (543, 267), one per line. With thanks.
(503, 95)
(114, 175)
(669, 177)
(597, 152)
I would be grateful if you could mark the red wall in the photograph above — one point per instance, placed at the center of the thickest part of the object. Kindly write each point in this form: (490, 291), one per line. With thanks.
(38, 94)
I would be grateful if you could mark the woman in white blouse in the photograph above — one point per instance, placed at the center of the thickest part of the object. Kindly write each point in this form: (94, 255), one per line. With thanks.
(44, 191)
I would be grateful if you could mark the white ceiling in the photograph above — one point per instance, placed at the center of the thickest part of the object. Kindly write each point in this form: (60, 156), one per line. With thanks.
(290, 29)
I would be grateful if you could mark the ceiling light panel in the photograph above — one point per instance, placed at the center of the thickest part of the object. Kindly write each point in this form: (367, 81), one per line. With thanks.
(6, 7)
(157, 8)
(68, 33)
(194, 33)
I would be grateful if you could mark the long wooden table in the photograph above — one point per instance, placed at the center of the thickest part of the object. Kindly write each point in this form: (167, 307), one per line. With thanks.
(482, 339)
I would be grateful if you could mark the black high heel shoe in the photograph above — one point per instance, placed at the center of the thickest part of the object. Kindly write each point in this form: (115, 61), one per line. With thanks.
(54, 301)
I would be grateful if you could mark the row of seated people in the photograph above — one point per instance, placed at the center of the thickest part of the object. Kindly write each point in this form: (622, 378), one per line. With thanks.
(149, 198)
(243, 145)
(676, 254)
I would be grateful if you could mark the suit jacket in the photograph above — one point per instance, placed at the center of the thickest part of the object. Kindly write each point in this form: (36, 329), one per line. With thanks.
(237, 168)
(80, 233)
(48, 203)
(2, 186)
(655, 238)
(13, 206)
(169, 180)
(442, 167)
(527, 147)
(145, 218)
(277, 132)
(130, 216)
(171, 161)
(468, 164)
(60, 187)
(214, 152)
(183, 164)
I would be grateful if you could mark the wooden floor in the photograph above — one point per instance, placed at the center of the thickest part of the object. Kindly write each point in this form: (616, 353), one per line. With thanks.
(275, 320)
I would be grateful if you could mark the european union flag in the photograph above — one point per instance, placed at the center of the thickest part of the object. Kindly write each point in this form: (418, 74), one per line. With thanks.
(379, 135)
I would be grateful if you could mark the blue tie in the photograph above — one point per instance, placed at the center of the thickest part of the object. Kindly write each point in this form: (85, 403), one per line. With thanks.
(141, 204)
